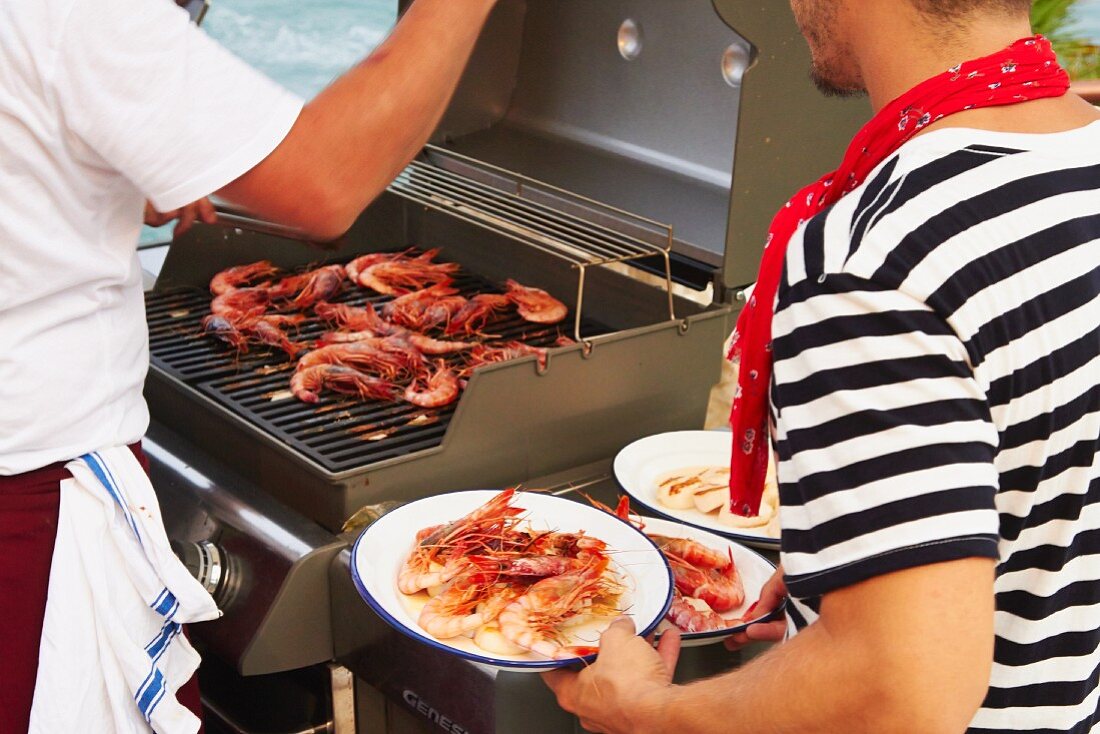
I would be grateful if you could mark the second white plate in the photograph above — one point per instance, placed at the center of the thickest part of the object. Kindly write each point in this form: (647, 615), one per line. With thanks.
(755, 571)
(638, 466)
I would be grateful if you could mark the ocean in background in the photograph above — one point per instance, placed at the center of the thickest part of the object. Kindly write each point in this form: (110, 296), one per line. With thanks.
(305, 45)
(301, 45)
(1086, 20)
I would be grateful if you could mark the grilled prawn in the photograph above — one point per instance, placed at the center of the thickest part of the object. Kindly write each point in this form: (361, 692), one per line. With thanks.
(392, 359)
(307, 384)
(531, 621)
(299, 292)
(365, 323)
(439, 554)
(536, 305)
(433, 389)
(475, 313)
(241, 276)
(690, 618)
(400, 274)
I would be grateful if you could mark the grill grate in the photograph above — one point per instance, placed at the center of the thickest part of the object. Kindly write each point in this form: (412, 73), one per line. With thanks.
(339, 433)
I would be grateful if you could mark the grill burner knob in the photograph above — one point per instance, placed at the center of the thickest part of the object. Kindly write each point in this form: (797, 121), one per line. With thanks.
(207, 563)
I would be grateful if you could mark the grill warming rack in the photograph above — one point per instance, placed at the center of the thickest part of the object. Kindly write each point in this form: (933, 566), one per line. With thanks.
(581, 231)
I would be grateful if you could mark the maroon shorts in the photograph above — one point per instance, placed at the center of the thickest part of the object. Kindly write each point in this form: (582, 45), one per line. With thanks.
(28, 525)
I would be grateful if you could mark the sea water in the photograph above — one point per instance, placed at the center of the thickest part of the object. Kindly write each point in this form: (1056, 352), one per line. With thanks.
(301, 45)
(1085, 20)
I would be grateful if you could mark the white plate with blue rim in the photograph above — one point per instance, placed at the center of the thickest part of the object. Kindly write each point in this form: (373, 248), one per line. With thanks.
(383, 547)
(754, 570)
(639, 466)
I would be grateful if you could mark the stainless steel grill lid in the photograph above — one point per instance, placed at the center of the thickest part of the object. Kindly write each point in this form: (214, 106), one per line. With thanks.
(640, 104)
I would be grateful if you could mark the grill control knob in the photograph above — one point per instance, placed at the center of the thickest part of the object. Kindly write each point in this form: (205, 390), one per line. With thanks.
(207, 563)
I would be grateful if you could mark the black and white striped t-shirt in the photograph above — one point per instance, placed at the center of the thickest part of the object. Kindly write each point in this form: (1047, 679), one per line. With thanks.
(937, 396)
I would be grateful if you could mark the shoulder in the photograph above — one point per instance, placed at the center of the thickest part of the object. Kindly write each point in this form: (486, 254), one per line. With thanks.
(30, 31)
(908, 206)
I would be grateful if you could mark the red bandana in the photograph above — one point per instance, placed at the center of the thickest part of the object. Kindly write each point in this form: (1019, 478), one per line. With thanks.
(1026, 70)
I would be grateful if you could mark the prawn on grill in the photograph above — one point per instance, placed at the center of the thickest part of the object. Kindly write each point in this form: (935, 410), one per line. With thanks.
(482, 355)
(424, 309)
(241, 303)
(536, 305)
(433, 388)
(365, 323)
(391, 359)
(223, 328)
(361, 263)
(299, 292)
(532, 621)
(475, 313)
(243, 329)
(394, 275)
(242, 276)
(267, 330)
(307, 384)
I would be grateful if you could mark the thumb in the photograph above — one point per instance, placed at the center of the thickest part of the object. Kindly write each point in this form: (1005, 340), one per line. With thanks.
(771, 596)
(620, 631)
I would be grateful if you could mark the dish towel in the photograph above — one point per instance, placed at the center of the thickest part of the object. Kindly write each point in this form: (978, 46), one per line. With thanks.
(112, 653)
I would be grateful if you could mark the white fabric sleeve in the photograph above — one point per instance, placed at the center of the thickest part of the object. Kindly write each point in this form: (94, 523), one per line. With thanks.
(161, 102)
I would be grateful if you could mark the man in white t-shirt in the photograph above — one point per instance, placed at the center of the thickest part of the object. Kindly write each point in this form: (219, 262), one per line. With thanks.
(104, 106)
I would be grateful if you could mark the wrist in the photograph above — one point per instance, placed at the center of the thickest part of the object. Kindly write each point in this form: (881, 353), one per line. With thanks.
(651, 715)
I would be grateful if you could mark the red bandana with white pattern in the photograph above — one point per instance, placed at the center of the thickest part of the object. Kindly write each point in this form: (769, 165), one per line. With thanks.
(1026, 70)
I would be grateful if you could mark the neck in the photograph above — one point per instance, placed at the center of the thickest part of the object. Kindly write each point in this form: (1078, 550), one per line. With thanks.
(893, 62)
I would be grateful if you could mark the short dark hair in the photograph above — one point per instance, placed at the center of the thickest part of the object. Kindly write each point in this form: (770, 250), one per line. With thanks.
(958, 8)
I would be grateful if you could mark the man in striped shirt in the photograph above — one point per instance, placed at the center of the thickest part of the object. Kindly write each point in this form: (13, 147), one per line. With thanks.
(936, 406)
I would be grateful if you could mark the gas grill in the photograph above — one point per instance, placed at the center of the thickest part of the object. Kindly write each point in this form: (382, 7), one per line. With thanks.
(588, 151)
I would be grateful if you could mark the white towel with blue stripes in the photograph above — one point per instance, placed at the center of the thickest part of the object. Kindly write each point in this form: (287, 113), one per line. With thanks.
(112, 654)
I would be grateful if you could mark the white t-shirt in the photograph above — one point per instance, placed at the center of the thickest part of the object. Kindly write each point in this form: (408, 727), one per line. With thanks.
(102, 105)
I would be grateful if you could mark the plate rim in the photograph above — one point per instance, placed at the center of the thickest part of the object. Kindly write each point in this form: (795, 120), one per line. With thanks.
(530, 665)
(760, 541)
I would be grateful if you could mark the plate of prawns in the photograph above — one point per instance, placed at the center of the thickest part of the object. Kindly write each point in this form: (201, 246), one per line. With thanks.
(716, 581)
(514, 580)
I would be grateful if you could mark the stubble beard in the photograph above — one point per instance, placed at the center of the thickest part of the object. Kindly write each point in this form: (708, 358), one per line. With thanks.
(829, 88)
(819, 25)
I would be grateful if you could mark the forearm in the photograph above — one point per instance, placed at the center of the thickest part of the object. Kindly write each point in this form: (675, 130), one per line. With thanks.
(809, 684)
(353, 138)
(879, 659)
